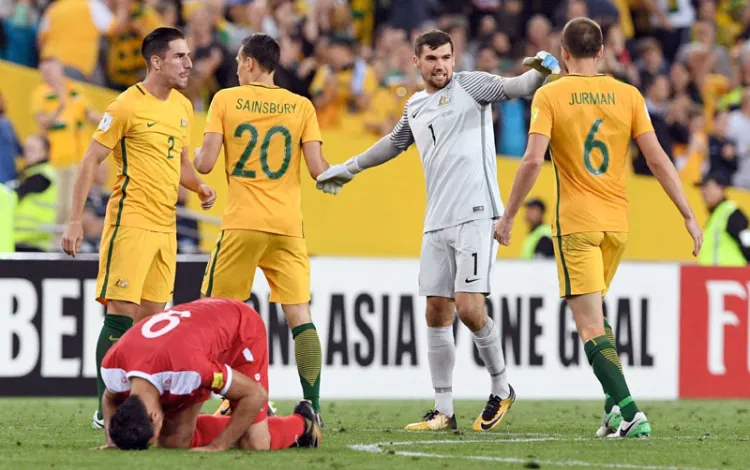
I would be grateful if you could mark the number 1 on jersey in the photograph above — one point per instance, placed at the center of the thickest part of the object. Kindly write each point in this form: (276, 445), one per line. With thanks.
(592, 144)
(433, 133)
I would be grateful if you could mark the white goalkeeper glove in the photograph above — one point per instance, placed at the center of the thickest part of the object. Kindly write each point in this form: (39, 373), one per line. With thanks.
(544, 63)
(336, 176)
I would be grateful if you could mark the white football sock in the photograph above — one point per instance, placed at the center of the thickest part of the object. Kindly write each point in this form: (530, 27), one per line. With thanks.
(490, 349)
(441, 355)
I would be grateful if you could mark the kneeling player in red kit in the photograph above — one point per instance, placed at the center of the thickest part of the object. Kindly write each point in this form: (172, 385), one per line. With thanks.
(160, 372)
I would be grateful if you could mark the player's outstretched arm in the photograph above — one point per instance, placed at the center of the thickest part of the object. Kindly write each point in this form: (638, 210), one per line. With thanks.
(665, 172)
(207, 155)
(385, 149)
(73, 235)
(526, 176)
(190, 180)
(247, 398)
(487, 88)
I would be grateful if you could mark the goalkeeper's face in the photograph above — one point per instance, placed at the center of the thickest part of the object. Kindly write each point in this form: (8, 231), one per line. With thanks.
(436, 66)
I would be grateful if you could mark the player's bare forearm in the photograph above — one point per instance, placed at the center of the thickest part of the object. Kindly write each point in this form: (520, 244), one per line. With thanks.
(108, 409)
(527, 174)
(94, 156)
(665, 172)
(208, 153)
(316, 164)
(189, 179)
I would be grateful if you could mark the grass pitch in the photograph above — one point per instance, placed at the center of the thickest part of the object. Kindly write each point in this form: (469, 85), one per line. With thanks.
(55, 433)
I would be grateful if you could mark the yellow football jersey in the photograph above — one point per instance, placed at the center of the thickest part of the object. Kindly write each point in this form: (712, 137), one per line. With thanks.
(264, 129)
(64, 131)
(146, 136)
(590, 121)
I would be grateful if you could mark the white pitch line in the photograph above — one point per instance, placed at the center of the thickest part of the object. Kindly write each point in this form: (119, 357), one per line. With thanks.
(376, 449)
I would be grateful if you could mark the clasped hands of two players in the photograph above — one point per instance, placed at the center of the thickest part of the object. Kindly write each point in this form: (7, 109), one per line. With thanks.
(335, 177)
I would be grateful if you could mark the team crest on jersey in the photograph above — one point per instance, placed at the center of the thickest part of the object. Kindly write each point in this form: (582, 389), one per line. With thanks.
(444, 100)
(218, 382)
(183, 123)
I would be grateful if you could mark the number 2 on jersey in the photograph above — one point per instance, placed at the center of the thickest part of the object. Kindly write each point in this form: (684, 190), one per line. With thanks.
(239, 168)
(591, 144)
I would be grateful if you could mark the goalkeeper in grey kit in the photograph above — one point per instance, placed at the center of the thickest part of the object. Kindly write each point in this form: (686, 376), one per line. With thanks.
(451, 124)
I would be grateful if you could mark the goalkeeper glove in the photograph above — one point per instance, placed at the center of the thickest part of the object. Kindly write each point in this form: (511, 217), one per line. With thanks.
(335, 177)
(544, 63)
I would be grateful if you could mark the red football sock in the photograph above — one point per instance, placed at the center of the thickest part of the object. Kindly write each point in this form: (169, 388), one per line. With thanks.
(285, 430)
(207, 428)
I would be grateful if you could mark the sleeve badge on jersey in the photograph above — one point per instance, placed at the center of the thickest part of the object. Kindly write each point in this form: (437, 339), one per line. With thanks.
(183, 123)
(647, 114)
(105, 122)
(534, 114)
(218, 382)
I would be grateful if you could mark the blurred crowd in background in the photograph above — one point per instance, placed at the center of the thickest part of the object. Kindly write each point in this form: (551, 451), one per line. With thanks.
(689, 58)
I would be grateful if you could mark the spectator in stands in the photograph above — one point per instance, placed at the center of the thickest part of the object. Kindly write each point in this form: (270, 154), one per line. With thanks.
(8, 201)
(726, 237)
(616, 59)
(211, 70)
(672, 20)
(738, 129)
(18, 30)
(94, 211)
(61, 111)
(683, 83)
(652, 61)
(703, 55)
(70, 31)
(125, 64)
(538, 34)
(665, 117)
(722, 150)
(37, 193)
(9, 147)
(295, 72)
(538, 243)
(346, 84)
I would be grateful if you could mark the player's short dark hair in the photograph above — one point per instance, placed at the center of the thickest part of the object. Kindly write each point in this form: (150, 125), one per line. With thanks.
(130, 427)
(582, 37)
(433, 39)
(157, 42)
(264, 49)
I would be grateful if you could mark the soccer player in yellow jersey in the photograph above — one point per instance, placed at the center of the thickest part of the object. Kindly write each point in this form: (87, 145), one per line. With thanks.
(147, 129)
(265, 130)
(588, 120)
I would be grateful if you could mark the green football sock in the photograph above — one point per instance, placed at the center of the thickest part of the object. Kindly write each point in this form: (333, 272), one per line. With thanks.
(309, 358)
(603, 358)
(608, 401)
(114, 327)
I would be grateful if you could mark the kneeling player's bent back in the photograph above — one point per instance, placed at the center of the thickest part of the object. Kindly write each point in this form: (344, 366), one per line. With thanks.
(162, 370)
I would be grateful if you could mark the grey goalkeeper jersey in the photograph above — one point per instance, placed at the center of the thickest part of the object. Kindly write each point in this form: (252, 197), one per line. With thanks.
(453, 132)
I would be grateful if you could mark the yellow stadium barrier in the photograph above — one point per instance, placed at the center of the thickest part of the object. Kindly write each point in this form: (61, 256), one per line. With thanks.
(381, 213)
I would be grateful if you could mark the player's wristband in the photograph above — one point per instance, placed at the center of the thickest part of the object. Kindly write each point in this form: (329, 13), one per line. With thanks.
(353, 166)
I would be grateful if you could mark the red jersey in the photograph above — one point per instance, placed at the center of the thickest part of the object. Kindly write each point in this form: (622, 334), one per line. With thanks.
(189, 351)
